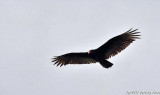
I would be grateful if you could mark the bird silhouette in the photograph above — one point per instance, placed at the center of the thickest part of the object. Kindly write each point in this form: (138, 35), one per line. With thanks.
(102, 53)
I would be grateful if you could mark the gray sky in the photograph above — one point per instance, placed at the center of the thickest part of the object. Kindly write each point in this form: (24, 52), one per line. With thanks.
(33, 31)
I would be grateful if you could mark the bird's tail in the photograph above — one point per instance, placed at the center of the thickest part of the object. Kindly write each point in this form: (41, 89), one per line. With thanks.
(106, 64)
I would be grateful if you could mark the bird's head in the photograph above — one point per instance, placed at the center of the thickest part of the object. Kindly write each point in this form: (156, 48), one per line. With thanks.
(90, 51)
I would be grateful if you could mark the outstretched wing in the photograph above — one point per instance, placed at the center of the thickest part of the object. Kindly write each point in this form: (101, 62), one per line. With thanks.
(73, 58)
(118, 43)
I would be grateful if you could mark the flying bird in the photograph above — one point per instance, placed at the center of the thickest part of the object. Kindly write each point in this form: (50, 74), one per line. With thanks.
(102, 53)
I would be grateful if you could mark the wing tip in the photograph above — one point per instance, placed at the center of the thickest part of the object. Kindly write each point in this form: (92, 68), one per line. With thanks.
(56, 61)
(134, 34)
(130, 30)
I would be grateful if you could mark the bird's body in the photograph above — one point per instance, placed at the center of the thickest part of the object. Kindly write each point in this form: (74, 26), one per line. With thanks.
(107, 50)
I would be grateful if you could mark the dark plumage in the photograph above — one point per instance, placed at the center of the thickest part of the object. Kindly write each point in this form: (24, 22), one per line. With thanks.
(107, 50)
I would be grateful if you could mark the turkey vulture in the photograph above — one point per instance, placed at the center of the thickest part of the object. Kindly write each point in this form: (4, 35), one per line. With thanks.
(107, 50)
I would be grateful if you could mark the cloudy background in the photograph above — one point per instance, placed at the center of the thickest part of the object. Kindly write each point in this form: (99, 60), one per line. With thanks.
(33, 31)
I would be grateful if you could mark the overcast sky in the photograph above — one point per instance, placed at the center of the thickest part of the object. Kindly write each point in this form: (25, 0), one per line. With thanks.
(33, 31)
